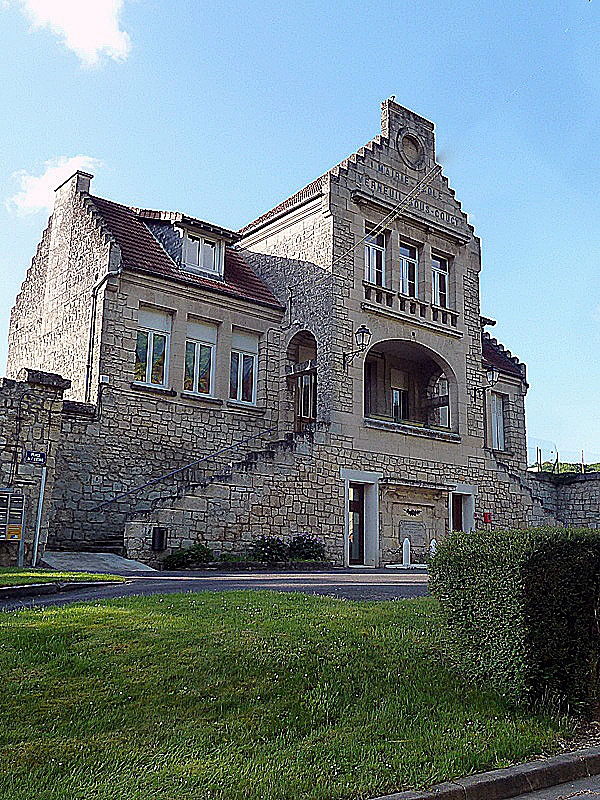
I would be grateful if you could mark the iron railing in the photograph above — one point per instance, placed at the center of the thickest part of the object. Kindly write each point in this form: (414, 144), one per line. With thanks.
(173, 472)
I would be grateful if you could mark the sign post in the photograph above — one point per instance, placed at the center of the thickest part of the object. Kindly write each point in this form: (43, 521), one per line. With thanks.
(38, 521)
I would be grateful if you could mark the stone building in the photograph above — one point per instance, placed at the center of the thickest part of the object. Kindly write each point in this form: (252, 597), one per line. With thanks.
(326, 369)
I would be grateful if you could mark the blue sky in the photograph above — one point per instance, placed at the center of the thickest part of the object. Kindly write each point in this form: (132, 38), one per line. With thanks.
(224, 109)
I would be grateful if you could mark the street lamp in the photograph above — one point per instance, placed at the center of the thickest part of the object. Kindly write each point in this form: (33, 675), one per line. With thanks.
(492, 376)
(362, 336)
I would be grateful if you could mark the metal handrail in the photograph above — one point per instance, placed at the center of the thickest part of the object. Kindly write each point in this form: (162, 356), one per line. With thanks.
(154, 481)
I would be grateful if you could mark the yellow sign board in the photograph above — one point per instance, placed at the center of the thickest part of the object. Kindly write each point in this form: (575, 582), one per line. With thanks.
(14, 531)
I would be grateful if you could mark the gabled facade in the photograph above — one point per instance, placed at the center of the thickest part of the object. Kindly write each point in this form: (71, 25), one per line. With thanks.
(333, 348)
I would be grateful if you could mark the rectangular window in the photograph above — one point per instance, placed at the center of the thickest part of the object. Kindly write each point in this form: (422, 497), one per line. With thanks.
(375, 259)
(200, 253)
(242, 373)
(152, 347)
(444, 411)
(439, 277)
(199, 358)
(497, 403)
(399, 404)
(408, 270)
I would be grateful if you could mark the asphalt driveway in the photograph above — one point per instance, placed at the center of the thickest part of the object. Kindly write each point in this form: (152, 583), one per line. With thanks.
(350, 584)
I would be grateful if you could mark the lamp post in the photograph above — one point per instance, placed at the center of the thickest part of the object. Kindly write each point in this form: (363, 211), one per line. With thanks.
(362, 337)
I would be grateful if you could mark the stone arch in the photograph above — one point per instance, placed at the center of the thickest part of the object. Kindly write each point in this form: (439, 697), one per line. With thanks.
(402, 381)
(301, 372)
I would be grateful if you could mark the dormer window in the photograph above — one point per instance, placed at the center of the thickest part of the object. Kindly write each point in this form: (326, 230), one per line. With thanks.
(203, 254)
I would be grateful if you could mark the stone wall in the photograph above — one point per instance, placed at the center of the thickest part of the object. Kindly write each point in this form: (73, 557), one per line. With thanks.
(574, 499)
(55, 321)
(30, 414)
(296, 486)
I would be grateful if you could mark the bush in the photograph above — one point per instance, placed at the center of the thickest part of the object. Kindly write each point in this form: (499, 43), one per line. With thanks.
(304, 547)
(269, 549)
(200, 553)
(193, 556)
(522, 609)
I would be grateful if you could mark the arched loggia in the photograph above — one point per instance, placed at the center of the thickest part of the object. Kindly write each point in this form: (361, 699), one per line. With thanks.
(407, 383)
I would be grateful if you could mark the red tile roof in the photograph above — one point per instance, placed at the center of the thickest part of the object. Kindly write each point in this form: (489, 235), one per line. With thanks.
(496, 355)
(140, 250)
(178, 217)
(309, 192)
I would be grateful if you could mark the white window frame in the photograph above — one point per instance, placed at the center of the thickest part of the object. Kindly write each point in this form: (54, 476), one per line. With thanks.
(213, 349)
(436, 273)
(405, 263)
(497, 420)
(217, 268)
(240, 370)
(152, 332)
(372, 250)
(444, 411)
(149, 350)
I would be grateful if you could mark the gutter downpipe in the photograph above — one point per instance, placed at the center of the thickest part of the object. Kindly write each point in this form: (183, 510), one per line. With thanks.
(91, 337)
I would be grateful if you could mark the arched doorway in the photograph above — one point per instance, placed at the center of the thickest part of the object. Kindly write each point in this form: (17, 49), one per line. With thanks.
(302, 378)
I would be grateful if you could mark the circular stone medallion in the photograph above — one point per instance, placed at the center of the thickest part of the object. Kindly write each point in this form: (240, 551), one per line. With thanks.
(411, 149)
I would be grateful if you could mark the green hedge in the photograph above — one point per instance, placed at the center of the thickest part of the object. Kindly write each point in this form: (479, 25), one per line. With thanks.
(523, 609)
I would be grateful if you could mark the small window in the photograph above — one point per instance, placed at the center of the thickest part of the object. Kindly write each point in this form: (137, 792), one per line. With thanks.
(242, 372)
(442, 391)
(152, 348)
(202, 254)
(439, 277)
(399, 404)
(497, 403)
(375, 258)
(408, 270)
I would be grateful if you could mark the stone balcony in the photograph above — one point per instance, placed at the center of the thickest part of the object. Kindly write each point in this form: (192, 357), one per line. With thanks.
(382, 300)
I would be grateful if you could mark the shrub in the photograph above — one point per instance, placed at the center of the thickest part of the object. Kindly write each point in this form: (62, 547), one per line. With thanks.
(200, 553)
(522, 608)
(192, 556)
(304, 547)
(269, 549)
(178, 559)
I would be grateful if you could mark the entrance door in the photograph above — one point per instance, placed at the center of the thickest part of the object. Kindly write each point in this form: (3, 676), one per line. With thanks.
(356, 523)
(305, 401)
(457, 512)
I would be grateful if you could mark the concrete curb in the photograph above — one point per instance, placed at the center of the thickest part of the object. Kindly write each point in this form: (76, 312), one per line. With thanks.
(51, 587)
(512, 781)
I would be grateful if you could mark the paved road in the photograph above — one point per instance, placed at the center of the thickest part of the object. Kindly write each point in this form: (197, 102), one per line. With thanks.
(585, 789)
(348, 584)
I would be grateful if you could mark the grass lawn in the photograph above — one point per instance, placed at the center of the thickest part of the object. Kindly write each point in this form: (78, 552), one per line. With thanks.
(20, 576)
(252, 695)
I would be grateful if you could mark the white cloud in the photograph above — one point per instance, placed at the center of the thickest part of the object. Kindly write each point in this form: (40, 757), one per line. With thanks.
(36, 192)
(90, 28)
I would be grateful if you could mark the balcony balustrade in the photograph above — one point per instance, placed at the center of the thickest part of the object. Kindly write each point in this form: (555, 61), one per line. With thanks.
(410, 306)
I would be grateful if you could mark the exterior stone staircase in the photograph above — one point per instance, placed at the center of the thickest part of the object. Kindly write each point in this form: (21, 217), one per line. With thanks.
(541, 514)
(222, 506)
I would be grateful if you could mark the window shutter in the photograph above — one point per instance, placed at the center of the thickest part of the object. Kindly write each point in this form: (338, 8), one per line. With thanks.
(244, 341)
(202, 332)
(155, 320)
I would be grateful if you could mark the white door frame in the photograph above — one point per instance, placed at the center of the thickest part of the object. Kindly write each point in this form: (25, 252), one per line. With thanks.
(370, 480)
(468, 493)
